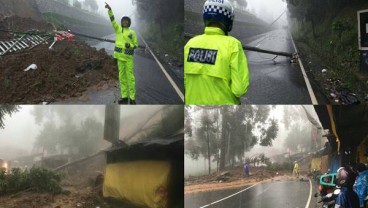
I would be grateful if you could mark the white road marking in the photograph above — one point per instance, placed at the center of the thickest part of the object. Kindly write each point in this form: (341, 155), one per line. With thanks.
(309, 87)
(173, 84)
(215, 202)
(310, 193)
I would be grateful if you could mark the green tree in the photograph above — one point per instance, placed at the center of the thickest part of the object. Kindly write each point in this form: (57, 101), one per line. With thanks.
(205, 135)
(188, 122)
(7, 110)
(233, 131)
(299, 137)
(77, 4)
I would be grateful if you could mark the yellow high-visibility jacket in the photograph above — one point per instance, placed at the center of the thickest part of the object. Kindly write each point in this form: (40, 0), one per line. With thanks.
(123, 35)
(215, 69)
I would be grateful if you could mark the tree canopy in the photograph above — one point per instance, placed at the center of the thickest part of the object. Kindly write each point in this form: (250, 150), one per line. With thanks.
(7, 110)
(227, 132)
(70, 130)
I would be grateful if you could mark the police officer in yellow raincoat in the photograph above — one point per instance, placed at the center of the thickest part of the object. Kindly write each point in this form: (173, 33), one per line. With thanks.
(125, 43)
(215, 66)
(296, 169)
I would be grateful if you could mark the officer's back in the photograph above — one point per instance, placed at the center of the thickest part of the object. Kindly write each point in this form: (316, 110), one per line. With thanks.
(215, 68)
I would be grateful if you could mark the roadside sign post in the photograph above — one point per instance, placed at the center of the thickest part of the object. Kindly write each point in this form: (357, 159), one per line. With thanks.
(363, 38)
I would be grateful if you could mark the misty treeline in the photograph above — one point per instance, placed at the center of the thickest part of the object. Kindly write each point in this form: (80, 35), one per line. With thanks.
(7, 110)
(299, 136)
(224, 134)
(317, 11)
(90, 4)
(73, 130)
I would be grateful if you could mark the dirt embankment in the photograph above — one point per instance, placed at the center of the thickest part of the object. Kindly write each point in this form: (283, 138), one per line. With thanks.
(232, 179)
(67, 70)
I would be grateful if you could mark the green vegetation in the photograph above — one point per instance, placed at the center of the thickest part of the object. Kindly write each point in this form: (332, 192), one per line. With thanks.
(224, 134)
(7, 110)
(170, 41)
(163, 25)
(35, 179)
(326, 32)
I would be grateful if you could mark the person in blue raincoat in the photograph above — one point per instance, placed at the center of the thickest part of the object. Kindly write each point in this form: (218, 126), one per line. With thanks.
(361, 184)
(246, 169)
(347, 197)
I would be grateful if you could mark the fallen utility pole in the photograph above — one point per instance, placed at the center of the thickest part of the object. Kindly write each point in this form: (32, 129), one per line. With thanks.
(92, 37)
(293, 56)
(278, 53)
(100, 39)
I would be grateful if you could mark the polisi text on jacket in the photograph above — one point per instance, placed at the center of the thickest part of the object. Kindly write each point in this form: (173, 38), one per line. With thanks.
(201, 55)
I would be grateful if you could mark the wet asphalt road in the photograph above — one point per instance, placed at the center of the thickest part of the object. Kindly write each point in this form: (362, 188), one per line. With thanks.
(278, 194)
(152, 87)
(274, 82)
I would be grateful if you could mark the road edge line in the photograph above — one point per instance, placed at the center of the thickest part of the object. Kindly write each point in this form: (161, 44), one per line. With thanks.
(215, 202)
(173, 84)
(309, 87)
(310, 194)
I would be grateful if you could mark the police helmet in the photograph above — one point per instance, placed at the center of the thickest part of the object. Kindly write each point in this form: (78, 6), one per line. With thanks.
(219, 11)
(128, 19)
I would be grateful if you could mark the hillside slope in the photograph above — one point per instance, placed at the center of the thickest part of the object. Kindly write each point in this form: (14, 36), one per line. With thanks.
(21, 8)
(334, 51)
(245, 26)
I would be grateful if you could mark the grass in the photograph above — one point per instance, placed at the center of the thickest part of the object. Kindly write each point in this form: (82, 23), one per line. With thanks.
(60, 20)
(336, 50)
(170, 42)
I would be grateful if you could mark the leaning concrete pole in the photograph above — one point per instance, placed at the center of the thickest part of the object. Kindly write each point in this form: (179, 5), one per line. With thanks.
(112, 123)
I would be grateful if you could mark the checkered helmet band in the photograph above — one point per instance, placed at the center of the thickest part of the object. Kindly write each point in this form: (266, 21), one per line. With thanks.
(219, 11)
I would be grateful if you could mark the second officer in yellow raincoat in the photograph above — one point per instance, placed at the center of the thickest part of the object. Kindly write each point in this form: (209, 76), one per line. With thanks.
(215, 66)
(125, 43)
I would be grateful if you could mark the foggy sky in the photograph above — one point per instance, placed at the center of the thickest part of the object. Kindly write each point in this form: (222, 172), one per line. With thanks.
(20, 130)
(268, 10)
(119, 7)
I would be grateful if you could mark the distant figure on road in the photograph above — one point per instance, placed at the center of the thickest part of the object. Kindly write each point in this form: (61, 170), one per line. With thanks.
(215, 65)
(125, 43)
(296, 169)
(246, 170)
(361, 184)
(347, 197)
